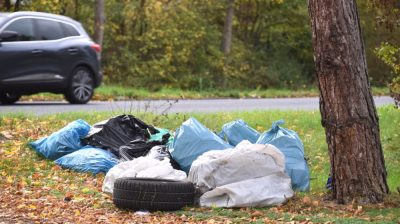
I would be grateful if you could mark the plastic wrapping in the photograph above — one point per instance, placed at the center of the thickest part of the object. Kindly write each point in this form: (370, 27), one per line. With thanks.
(62, 142)
(158, 136)
(88, 160)
(160, 153)
(289, 143)
(138, 148)
(248, 175)
(116, 132)
(142, 167)
(238, 130)
(191, 140)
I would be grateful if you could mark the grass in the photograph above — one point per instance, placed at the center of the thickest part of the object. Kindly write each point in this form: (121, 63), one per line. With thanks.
(115, 93)
(23, 170)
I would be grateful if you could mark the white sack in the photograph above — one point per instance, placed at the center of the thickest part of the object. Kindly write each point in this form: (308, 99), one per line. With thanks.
(226, 170)
(142, 167)
(259, 192)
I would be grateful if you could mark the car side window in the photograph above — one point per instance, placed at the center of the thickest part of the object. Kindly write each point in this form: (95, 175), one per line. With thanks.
(24, 28)
(71, 31)
(49, 30)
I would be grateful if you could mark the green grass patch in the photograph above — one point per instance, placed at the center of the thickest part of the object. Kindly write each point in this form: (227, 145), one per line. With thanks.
(115, 93)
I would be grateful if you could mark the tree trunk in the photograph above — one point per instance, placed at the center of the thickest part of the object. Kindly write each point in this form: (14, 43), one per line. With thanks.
(100, 19)
(226, 40)
(16, 7)
(2, 5)
(77, 10)
(347, 108)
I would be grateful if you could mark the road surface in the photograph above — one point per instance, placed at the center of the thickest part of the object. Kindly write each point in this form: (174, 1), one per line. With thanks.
(158, 106)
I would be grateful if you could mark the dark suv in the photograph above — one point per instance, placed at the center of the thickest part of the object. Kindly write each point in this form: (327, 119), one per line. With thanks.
(41, 52)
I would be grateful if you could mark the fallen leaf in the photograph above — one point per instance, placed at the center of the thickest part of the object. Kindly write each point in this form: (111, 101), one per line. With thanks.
(213, 206)
(379, 217)
(256, 214)
(306, 200)
(183, 217)
(77, 213)
(388, 219)
(32, 207)
(315, 203)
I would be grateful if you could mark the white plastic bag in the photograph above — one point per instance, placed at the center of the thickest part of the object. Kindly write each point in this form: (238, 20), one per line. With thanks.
(248, 175)
(142, 167)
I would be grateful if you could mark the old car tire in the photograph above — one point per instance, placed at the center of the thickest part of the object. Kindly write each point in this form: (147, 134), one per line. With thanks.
(6, 98)
(152, 194)
(81, 85)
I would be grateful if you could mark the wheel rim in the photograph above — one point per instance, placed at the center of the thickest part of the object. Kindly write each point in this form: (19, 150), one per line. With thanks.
(82, 85)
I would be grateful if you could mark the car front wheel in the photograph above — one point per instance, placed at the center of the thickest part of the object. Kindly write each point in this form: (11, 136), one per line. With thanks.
(8, 98)
(80, 88)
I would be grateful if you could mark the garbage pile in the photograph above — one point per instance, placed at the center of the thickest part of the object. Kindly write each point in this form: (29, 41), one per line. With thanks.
(237, 167)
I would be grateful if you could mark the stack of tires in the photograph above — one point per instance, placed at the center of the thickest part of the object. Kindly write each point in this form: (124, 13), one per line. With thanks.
(152, 194)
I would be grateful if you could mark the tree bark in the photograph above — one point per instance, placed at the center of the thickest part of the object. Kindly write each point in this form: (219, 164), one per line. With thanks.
(100, 19)
(227, 36)
(346, 104)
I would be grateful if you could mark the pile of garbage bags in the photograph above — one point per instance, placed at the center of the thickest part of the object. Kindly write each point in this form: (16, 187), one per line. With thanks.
(98, 148)
(237, 167)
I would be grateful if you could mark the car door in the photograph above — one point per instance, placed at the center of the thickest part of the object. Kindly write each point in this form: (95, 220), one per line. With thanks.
(60, 51)
(20, 59)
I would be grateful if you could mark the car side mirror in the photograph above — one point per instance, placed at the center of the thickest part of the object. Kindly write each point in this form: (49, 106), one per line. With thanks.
(8, 36)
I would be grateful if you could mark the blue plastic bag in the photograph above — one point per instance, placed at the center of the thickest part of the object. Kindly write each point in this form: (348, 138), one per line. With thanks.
(88, 160)
(62, 142)
(220, 135)
(289, 143)
(191, 140)
(328, 184)
(238, 130)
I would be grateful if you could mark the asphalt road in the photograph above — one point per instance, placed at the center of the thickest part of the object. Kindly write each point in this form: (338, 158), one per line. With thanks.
(158, 106)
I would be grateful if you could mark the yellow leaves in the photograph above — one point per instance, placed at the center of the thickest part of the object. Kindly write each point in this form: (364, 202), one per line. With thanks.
(213, 205)
(10, 179)
(315, 203)
(77, 213)
(32, 207)
(3, 173)
(86, 190)
(21, 206)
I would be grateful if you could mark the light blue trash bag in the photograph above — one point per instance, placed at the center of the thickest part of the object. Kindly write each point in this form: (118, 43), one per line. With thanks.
(62, 142)
(238, 130)
(88, 160)
(289, 143)
(191, 140)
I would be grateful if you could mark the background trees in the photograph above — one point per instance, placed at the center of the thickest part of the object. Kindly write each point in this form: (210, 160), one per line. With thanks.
(177, 43)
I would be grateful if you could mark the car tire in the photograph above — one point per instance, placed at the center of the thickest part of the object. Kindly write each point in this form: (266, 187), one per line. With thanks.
(81, 85)
(7, 98)
(152, 194)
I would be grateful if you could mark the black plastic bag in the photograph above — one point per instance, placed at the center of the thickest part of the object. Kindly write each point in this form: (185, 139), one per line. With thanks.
(138, 148)
(160, 152)
(116, 132)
